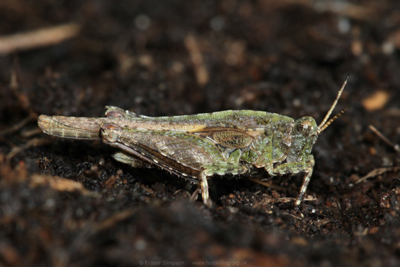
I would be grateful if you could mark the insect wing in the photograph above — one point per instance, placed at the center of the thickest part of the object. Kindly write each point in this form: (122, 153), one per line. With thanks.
(228, 138)
(181, 153)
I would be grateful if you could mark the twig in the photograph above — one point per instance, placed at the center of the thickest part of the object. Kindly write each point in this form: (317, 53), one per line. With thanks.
(197, 59)
(17, 126)
(60, 184)
(21, 97)
(31, 132)
(38, 38)
(377, 172)
(24, 103)
(291, 215)
(266, 184)
(31, 143)
(387, 141)
(110, 222)
(285, 200)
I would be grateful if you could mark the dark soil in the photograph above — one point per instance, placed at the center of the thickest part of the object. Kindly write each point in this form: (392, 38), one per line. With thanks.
(287, 57)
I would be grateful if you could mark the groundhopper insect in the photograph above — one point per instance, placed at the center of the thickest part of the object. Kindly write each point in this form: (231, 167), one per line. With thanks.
(199, 146)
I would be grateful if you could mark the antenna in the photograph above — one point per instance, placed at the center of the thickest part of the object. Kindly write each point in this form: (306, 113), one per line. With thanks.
(320, 129)
(324, 124)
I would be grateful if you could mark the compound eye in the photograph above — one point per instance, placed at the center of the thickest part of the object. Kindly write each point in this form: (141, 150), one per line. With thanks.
(304, 127)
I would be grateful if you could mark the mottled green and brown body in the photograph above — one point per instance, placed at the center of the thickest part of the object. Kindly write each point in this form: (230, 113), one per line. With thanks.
(198, 146)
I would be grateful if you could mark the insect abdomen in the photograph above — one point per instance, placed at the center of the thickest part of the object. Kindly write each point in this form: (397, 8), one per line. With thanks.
(71, 127)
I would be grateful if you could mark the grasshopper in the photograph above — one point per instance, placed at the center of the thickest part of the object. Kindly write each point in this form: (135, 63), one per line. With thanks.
(199, 146)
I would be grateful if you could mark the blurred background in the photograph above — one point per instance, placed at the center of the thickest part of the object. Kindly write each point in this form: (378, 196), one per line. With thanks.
(66, 203)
